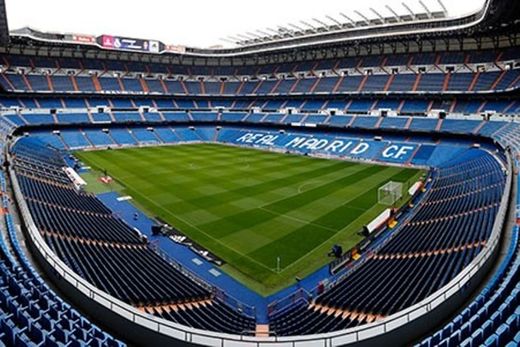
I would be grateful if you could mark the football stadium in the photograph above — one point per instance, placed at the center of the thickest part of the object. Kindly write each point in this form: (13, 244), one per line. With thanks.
(348, 181)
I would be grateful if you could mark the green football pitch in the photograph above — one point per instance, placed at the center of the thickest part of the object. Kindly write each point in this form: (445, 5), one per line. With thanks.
(250, 207)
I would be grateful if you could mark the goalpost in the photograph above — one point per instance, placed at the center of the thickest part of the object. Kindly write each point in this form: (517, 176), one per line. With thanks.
(390, 193)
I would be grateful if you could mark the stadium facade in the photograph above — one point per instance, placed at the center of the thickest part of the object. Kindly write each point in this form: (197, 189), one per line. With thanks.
(423, 91)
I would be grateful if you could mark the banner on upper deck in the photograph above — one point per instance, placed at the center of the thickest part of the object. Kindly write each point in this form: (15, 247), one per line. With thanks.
(129, 44)
(329, 145)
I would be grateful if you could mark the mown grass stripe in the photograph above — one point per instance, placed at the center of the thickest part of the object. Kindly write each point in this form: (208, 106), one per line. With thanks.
(248, 206)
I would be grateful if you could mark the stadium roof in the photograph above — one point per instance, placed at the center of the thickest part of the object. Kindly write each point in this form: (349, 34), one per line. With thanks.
(219, 20)
(396, 28)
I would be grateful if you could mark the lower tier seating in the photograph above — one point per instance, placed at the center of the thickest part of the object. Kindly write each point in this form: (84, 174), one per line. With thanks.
(493, 317)
(107, 252)
(207, 315)
(31, 314)
(442, 236)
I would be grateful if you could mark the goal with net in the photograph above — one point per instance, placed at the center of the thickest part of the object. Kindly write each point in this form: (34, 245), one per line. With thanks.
(390, 193)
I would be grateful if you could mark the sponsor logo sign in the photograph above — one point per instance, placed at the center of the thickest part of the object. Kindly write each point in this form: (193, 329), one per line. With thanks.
(80, 38)
(129, 44)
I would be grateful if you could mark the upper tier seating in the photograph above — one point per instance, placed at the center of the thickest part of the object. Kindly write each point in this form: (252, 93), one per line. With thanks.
(366, 74)
(392, 60)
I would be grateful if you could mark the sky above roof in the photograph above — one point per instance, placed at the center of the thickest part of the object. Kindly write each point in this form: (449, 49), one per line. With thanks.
(198, 23)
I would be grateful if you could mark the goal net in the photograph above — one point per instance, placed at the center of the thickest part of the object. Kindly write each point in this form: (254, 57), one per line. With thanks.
(390, 193)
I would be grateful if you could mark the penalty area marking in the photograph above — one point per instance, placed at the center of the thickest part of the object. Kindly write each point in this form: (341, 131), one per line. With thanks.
(306, 184)
(247, 166)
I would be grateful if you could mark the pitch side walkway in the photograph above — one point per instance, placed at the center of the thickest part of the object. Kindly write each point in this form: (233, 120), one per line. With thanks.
(206, 270)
